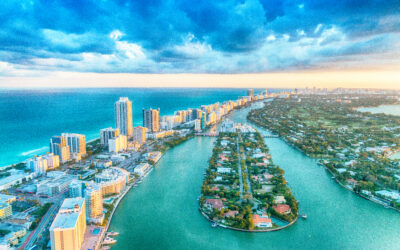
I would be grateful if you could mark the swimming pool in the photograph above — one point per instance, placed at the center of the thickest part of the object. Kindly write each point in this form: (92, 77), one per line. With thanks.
(96, 231)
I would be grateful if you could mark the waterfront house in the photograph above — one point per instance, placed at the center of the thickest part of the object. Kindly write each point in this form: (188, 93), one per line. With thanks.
(282, 208)
(280, 199)
(231, 213)
(351, 182)
(262, 221)
(214, 203)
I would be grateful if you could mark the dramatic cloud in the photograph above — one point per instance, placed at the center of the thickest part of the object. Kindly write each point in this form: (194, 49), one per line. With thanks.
(224, 36)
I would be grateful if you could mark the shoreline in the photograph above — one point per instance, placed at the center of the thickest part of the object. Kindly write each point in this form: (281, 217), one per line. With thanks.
(11, 165)
(248, 230)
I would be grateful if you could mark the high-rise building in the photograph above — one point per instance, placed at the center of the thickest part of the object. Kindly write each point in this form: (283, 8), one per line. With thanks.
(203, 120)
(94, 203)
(37, 165)
(76, 143)
(123, 116)
(151, 119)
(108, 133)
(58, 146)
(189, 114)
(250, 92)
(118, 143)
(68, 228)
(196, 114)
(139, 134)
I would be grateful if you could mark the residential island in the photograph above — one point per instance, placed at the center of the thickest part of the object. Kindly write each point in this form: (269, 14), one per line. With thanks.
(356, 147)
(243, 189)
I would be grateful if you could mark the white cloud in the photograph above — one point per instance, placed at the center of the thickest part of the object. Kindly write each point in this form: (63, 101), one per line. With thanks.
(116, 35)
(131, 50)
(270, 38)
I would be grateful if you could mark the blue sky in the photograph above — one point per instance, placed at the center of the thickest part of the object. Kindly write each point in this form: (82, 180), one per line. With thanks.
(165, 36)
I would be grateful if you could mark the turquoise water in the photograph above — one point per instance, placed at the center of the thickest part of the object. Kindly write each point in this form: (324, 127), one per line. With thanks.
(96, 231)
(162, 213)
(386, 109)
(28, 118)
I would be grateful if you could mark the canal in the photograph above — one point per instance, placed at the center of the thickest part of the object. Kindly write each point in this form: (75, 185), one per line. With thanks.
(162, 213)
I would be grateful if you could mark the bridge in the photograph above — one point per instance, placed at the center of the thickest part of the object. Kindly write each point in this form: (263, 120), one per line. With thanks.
(207, 134)
(271, 136)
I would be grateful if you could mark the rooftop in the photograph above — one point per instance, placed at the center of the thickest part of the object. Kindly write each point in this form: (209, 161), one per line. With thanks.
(68, 213)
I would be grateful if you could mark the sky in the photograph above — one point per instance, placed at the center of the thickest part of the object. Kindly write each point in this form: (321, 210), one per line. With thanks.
(197, 43)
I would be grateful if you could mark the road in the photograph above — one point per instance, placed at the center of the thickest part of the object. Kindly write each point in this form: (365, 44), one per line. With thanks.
(240, 169)
(43, 225)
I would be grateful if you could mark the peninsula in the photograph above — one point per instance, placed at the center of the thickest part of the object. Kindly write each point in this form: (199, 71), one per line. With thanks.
(243, 189)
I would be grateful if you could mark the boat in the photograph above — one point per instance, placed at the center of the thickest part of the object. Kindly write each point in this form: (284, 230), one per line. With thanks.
(214, 224)
(109, 241)
(304, 216)
(112, 233)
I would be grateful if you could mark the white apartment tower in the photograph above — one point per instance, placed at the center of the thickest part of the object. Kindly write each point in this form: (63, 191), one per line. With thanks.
(123, 116)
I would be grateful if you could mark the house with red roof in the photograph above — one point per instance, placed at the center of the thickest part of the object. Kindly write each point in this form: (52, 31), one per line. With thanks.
(231, 213)
(351, 182)
(282, 208)
(214, 203)
(262, 220)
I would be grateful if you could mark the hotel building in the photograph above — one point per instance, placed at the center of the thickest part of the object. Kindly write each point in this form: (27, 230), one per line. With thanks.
(112, 180)
(151, 119)
(53, 161)
(139, 134)
(123, 116)
(94, 204)
(68, 228)
(59, 147)
(76, 143)
(37, 164)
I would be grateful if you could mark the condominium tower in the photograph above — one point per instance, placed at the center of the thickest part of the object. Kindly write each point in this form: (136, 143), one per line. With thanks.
(68, 228)
(123, 116)
(139, 134)
(107, 134)
(94, 203)
(151, 119)
(76, 143)
(58, 146)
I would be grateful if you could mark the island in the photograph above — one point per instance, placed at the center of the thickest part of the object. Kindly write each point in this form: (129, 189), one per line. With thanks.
(242, 189)
(354, 146)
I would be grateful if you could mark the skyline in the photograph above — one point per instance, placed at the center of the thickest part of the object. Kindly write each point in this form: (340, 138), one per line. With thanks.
(263, 43)
(330, 80)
